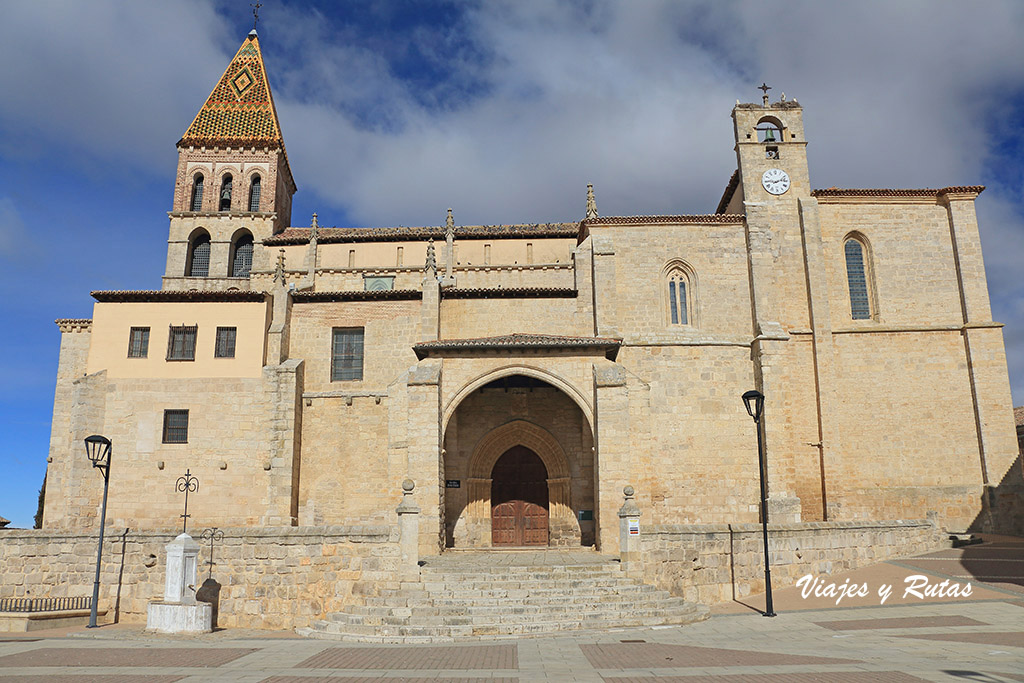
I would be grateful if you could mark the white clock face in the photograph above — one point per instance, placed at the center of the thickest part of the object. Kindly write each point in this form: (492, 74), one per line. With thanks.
(775, 181)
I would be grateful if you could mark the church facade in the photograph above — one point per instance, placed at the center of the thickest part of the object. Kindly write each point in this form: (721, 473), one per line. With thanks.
(523, 375)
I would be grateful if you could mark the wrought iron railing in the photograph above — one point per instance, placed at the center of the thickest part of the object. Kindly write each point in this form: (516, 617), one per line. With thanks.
(44, 604)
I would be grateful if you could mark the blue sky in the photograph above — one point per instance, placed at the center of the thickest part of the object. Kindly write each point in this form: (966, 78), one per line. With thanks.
(393, 111)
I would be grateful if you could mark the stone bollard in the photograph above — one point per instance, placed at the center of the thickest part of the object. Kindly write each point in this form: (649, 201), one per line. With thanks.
(409, 531)
(629, 535)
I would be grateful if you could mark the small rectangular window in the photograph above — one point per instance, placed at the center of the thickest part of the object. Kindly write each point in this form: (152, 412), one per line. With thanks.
(225, 347)
(175, 426)
(347, 354)
(138, 342)
(181, 342)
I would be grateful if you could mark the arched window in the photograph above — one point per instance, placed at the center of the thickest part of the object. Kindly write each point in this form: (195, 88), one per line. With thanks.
(857, 279)
(225, 193)
(679, 283)
(198, 256)
(197, 192)
(677, 303)
(254, 194)
(241, 255)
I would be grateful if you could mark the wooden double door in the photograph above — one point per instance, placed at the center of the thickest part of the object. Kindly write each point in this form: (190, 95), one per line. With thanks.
(519, 499)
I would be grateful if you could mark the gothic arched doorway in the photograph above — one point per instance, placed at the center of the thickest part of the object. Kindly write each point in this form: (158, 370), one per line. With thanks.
(519, 499)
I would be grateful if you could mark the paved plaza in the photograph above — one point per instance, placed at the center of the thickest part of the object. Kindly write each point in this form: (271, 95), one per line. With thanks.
(979, 637)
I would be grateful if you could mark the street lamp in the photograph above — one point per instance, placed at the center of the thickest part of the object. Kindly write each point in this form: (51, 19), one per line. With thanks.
(98, 449)
(754, 402)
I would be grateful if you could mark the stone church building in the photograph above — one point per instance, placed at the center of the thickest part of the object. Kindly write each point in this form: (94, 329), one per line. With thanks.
(522, 375)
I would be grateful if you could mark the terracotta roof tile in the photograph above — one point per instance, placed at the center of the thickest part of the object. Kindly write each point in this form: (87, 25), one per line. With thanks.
(240, 111)
(730, 190)
(359, 295)
(690, 219)
(519, 341)
(510, 293)
(328, 235)
(884, 192)
(1018, 415)
(146, 295)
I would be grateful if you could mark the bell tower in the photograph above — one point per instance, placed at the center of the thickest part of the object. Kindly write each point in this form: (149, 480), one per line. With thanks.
(234, 186)
(771, 149)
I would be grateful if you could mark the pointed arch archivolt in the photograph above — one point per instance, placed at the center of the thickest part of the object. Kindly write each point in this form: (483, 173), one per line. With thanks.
(518, 433)
(562, 528)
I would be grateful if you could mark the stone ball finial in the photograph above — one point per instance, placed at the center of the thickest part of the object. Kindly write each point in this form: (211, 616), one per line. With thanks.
(408, 485)
(628, 491)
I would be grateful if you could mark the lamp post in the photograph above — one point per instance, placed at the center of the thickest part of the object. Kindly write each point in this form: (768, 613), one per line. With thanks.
(754, 402)
(98, 449)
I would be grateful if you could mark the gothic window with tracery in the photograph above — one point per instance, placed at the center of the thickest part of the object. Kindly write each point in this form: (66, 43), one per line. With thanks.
(678, 299)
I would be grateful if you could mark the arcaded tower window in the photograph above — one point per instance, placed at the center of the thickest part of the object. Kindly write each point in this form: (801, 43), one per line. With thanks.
(254, 194)
(241, 258)
(199, 256)
(857, 279)
(197, 192)
(225, 193)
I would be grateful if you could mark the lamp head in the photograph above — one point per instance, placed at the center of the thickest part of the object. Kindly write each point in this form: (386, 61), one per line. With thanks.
(754, 402)
(98, 449)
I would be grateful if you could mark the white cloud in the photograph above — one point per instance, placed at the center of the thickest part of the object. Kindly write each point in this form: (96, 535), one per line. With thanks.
(537, 98)
(12, 228)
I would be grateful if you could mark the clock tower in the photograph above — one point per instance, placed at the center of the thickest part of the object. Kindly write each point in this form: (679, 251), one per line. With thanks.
(771, 150)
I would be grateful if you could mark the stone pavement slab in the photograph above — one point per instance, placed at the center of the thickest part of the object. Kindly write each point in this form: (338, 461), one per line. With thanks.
(655, 655)
(124, 657)
(453, 657)
(899, 622)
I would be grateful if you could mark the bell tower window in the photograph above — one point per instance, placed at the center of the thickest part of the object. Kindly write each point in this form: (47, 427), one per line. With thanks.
(241, 258)
(254, 194)
(199, 256)
(225, 193)
(770, 133)
(197, 192)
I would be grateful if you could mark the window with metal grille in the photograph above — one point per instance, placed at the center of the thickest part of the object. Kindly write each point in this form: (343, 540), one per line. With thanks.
(347, 354)
(138, 342)
(856, 277)
(175, 426)
(181, 342)
(199, 262)
(241, 262)
(254, 194)
(678, 313)
(197, 192)
(225, 347)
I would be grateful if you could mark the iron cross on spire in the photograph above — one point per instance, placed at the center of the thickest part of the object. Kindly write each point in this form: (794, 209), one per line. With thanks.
(764, 88)
(255, 13)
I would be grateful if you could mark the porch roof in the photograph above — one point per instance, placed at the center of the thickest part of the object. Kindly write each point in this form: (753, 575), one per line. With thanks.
(517, 341)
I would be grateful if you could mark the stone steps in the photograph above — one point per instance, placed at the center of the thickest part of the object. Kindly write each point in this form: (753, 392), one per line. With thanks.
(494, 594)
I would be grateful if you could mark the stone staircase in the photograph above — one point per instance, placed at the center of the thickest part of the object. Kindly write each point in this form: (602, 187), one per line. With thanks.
(473, 594)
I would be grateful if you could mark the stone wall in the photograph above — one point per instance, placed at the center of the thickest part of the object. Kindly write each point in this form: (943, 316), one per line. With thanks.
(271, 578)
(719, 563)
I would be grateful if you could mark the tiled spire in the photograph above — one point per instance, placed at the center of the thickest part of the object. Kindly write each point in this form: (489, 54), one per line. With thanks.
(240, 111)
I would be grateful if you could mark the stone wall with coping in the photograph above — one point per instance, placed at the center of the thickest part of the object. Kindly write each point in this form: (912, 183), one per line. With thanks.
(724, 562)
(271, 578)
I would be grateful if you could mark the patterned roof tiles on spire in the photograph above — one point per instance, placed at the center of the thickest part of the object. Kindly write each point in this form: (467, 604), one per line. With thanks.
(240, 111)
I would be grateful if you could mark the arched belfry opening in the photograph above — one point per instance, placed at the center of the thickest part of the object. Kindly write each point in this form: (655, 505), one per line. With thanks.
(518, 468)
